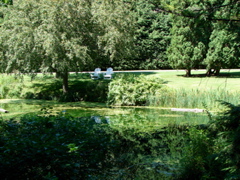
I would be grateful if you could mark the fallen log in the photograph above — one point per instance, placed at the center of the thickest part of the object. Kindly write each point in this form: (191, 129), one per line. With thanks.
(4, 111)
(187, 110)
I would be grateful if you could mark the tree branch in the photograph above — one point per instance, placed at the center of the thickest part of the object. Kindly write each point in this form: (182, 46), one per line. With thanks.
(201, 10)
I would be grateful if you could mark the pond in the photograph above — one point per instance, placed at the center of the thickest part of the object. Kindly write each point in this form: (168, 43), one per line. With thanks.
(141, 118)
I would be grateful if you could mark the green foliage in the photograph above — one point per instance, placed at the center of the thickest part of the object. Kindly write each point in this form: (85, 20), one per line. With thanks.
(198, 157)
(88, 90)
(82, 88)
(192, 98)
(57, 147)
(79, 90)
(60, 146)
(6, 2)
(213, 152)
(128, 89)
(223, 52)
(226, 131)
(49, 146)
(189, 40)
(152, 35)
(11, 87)
(197, 26)
(47, 36)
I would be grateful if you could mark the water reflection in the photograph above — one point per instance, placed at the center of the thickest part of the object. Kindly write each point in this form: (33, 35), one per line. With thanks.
(146, 118)
(133, 117)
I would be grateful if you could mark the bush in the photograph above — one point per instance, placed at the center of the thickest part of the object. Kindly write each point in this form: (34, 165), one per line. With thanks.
(79, 90)
(226, 132)
(198, 157)
(214, 153)
(132, 90)
(54, 147)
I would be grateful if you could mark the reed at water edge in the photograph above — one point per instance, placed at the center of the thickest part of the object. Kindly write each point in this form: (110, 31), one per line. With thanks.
(193, 98)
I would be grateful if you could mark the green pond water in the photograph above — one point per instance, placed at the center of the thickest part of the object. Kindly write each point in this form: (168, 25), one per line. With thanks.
(142, 118)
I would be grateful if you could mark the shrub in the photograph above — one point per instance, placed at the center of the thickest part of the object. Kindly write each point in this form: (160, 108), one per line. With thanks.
(131, 90)
(214, 153)
(226, 132)
(198, 157)
(54, 147)
(79, 90)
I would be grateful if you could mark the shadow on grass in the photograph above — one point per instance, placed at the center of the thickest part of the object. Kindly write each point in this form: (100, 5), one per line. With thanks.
(137, 73)
(230, 74)
(221, 75)
(79, 90)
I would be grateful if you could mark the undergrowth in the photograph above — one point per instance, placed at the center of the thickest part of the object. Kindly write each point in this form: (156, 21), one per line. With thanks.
(47, 146)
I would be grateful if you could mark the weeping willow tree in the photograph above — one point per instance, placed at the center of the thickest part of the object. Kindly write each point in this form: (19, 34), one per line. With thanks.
(61, 36)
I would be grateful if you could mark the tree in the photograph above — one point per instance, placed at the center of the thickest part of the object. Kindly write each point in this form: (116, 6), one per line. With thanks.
(223, 49)
(219, 21)
(59, 36)
(152, 35)
(188, 39)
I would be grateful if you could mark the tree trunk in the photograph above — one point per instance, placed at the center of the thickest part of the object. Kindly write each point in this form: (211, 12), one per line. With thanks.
(65, 82)
(217, 71)
(209, 72)
(57, 75)
(188, 72)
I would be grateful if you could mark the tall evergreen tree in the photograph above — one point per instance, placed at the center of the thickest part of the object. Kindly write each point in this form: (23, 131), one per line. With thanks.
(193, 23)
(152, 35)
(224, 43)
(223, 49)
(189, 38)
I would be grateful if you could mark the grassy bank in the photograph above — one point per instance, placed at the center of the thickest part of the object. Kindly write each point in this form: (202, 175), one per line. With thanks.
(161, 88)
(198, 91)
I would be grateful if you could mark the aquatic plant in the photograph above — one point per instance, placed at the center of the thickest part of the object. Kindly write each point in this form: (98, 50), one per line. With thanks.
(192, 98)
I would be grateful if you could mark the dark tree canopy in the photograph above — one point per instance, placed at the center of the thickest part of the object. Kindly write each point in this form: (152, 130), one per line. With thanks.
(203, 33)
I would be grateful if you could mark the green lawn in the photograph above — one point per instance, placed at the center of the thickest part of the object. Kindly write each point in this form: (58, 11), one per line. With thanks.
(228, 79)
